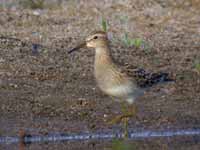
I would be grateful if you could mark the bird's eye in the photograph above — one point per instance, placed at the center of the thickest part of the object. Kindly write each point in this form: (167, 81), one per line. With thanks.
(96, 37)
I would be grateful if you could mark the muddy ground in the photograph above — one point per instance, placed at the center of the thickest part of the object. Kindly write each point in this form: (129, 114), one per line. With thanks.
(44, 90)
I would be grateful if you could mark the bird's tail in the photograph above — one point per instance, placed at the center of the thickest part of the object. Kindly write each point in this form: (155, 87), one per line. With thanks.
(146, 79)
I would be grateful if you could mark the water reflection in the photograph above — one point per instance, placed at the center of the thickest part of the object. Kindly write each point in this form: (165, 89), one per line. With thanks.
(24, 138)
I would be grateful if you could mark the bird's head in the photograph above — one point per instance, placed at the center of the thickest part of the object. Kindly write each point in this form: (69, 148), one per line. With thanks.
(95, 40)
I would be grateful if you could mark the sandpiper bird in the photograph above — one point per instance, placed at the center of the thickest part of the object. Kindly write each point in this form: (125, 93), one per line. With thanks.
(113, 81)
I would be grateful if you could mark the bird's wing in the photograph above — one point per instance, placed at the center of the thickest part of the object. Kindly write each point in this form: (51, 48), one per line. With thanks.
(147, 79)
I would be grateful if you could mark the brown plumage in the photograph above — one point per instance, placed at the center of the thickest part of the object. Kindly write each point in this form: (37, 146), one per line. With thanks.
(111, 79)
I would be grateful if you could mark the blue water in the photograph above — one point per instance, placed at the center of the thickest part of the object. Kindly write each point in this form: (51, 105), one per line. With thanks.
(103, 135)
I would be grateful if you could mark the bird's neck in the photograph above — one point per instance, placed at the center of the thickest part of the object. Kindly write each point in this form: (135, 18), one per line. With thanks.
(102, 55)
(103, 64)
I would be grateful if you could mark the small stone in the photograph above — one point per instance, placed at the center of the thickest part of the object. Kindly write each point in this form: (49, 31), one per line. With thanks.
(2, 60)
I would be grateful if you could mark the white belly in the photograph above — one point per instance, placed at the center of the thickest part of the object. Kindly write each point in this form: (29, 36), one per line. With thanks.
(119, 91)
(126, 92)
(123, 93)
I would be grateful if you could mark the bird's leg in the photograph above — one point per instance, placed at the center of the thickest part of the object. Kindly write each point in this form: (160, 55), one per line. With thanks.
(128, 112)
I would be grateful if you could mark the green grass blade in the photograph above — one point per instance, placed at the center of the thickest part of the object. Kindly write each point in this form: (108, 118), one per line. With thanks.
(104, 24)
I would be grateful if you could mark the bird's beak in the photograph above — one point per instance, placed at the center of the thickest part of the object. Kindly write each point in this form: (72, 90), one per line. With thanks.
(83, 44)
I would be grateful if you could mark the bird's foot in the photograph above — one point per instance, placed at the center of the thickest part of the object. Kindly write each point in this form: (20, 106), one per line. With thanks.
(124, 118)
(119, 118)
